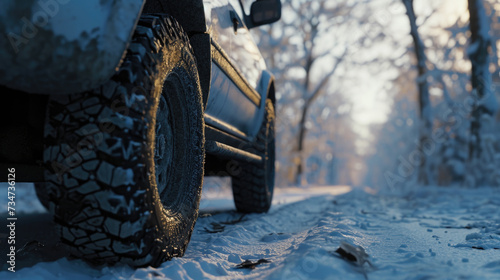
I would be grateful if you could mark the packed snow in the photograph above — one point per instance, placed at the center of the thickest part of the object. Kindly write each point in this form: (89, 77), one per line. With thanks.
(422, 233)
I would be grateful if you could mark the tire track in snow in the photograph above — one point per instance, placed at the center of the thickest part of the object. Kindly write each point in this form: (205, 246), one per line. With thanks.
(424, 234)
(296, 238)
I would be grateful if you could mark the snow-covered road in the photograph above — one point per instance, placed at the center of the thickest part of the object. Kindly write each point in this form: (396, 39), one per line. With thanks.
(430, 233)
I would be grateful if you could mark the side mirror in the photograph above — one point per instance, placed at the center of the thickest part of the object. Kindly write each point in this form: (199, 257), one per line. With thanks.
(264, 12)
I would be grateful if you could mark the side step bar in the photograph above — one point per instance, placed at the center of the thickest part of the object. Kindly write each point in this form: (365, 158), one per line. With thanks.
(228, 152)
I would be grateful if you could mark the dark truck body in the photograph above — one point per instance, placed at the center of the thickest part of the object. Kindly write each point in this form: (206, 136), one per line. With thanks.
(39, 59)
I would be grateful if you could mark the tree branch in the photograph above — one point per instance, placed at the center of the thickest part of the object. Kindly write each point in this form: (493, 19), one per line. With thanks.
(325, 79)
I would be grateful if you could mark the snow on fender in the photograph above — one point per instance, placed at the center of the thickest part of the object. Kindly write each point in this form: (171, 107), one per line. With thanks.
(63, 46)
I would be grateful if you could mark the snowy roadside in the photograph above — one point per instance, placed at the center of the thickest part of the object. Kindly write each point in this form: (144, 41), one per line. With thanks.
(430, 233)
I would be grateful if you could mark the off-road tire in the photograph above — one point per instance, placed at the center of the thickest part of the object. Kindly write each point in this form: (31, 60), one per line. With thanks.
(103, 154)
(253, 185)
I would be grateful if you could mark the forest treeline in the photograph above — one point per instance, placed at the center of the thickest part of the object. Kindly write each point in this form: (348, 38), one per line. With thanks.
(429, 68)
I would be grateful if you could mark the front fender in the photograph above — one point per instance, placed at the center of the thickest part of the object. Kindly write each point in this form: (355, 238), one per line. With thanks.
(265, 88)
(63, 46)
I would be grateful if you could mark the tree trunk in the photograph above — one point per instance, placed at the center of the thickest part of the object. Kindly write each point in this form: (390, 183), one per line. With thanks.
(481, 77)
(300, 143)
(423, 91)
(307, 103)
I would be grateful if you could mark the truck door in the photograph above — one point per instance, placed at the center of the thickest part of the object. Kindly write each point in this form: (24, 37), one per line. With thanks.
(237, 64)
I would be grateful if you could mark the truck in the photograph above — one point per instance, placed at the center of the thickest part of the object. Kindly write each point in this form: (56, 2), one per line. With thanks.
(117, 109)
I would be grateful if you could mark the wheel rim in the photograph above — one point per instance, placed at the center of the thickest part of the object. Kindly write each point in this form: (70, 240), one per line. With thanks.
(173, 124)
(164, 145)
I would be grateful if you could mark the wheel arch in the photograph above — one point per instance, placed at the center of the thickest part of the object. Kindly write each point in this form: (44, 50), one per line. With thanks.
(189, 13)
(78, 54)
(266, 86)
(191, 16)
(272, 92)
(266, 89)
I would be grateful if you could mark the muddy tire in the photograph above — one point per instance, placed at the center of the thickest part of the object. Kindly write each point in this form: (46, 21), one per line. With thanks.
(124, 163)
(253, 185)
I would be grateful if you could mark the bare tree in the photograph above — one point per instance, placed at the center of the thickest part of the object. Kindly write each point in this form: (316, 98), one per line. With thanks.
(309, 99)
(423, 89)
(306, 50)
(311, 21)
